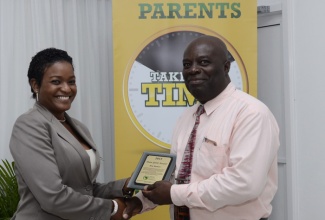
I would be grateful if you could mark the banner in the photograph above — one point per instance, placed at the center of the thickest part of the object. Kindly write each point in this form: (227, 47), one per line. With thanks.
(149, 39)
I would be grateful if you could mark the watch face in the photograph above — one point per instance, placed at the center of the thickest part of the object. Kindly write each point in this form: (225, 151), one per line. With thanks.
(154, 90)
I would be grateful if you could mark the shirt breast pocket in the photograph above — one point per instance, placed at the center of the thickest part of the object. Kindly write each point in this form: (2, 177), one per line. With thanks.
(211, 159)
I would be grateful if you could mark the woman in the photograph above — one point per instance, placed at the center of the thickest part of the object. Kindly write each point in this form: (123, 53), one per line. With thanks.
(56, 160)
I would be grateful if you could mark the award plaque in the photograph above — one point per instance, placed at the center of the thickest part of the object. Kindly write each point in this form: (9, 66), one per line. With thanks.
(152, 167)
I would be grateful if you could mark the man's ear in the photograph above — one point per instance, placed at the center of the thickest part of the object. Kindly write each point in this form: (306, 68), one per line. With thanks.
(34, 85)
(227, 66)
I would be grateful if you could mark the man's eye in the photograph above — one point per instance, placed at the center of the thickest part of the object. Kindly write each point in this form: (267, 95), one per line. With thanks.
(186, 65)
(204, 62)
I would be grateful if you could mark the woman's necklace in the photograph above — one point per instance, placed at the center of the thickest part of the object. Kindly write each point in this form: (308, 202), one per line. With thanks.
(63, 120)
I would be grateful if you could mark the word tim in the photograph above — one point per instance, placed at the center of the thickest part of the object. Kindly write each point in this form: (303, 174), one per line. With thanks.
(169, 87)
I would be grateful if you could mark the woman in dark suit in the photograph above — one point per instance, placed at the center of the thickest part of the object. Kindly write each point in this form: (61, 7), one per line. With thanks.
(56, 159)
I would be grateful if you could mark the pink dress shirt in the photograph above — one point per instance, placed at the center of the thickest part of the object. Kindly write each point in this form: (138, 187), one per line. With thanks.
(234, 171)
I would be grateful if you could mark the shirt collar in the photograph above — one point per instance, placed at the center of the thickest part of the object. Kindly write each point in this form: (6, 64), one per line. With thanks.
(213, 104)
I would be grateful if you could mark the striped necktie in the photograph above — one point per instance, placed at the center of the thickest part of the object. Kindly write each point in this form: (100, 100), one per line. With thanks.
(184, 174)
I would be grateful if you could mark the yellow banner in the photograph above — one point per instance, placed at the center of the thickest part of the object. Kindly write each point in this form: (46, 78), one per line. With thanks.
(149, 38)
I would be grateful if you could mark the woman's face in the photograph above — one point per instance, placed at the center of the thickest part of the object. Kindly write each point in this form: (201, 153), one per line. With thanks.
(58, 88)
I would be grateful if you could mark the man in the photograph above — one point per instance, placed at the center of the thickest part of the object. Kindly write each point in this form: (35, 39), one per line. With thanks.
(233, 173)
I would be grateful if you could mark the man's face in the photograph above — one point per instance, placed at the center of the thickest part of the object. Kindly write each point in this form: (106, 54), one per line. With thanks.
(205, 70)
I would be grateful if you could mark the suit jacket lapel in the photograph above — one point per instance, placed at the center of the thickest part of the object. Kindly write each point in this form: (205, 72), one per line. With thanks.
(88, 139)
(67, 136)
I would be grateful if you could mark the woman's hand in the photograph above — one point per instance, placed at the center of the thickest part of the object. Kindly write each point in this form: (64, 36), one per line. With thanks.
(121, 206)
(133, 207)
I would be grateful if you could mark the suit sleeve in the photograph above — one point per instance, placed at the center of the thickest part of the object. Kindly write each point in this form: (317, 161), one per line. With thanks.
(35, 163)
(109, 190)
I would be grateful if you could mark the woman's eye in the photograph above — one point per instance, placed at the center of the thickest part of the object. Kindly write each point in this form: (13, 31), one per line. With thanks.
(72, 82)
(55, 82)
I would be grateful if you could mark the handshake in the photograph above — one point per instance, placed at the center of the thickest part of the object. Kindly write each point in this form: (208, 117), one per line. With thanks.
(158, 193)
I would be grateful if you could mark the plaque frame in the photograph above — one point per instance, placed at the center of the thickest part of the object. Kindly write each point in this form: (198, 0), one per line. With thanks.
(135, 184)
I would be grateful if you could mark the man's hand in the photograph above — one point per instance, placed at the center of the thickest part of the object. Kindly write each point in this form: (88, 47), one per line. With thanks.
(159, 192)
(127, 191)
(133, 207)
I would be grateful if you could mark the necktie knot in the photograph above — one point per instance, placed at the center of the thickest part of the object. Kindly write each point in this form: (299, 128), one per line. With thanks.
(200, 110)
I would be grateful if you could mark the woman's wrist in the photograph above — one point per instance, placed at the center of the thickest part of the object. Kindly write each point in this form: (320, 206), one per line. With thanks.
(115, 209)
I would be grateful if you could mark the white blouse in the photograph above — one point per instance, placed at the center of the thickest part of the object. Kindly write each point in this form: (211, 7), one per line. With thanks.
(92, 157)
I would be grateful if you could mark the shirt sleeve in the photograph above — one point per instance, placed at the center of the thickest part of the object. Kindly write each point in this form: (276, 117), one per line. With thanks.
(147, 205)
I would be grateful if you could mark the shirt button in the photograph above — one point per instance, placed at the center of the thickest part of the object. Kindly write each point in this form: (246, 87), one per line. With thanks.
(88, 188)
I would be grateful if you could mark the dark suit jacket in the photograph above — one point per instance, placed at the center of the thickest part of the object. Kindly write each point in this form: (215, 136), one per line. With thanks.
(53, 171)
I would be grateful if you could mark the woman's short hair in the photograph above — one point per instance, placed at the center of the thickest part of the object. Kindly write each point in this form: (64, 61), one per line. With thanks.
(43, 60)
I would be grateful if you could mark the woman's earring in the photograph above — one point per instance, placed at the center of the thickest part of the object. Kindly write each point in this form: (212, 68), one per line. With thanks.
(37, 96)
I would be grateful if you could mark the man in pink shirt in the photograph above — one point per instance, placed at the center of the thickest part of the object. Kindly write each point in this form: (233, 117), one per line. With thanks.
(233, 172)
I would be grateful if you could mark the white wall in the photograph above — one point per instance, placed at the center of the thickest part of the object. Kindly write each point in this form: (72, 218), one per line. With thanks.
(271, 3)
(304, 37)
(305, 123)
(308, 37)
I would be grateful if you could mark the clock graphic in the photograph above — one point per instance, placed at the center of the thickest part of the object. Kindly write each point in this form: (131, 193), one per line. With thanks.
(154, 91)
